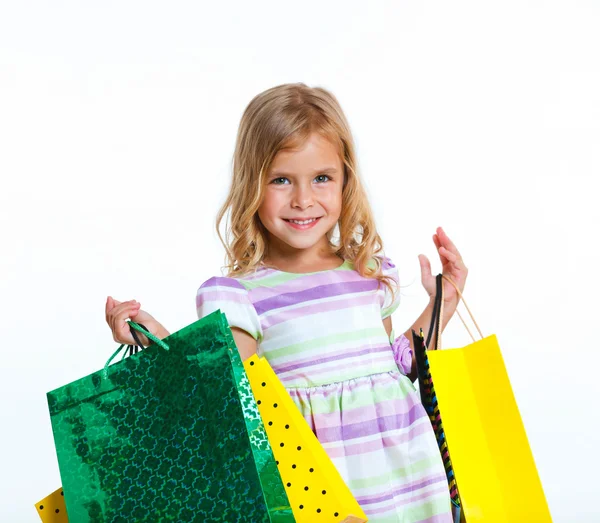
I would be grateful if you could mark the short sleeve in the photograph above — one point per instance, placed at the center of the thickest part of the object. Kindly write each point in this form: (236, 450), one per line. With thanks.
(387, 305)
(229, 295)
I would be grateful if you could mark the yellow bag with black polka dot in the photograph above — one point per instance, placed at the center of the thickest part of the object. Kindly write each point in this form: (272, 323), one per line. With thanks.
(316, 491)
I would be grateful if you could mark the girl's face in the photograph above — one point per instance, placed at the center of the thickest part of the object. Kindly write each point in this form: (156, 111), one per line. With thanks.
(303, 184)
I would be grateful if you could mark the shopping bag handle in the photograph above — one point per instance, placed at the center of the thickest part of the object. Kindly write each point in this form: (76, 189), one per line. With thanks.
(133, 327)
(439, 317)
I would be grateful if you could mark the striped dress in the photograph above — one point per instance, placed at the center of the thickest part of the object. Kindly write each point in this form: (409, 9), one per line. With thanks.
(323, 335)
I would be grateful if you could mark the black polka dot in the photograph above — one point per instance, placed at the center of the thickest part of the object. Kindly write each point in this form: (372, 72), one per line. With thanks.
(281, 444)
(287, 426)
(293, 466)
(301, 506)
(318, 510)
(311, 470)
(251, 363)
(299, 448)
(270, 423)
(57, 510)
(336, 515)
(305, 488)
(263, 384)
(289, 484)
(324, 492)
(275, 405)
(258, 402)
(62, 493)
(41, 507)
(277, 463)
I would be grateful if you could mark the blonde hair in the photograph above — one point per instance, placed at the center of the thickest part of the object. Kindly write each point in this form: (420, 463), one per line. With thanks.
(279, 118)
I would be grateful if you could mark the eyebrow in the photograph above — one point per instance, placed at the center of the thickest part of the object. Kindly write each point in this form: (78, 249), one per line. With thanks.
(316, 171)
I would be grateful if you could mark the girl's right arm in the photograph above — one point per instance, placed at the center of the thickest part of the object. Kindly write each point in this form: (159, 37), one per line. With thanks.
(246, 344)
(117, 314)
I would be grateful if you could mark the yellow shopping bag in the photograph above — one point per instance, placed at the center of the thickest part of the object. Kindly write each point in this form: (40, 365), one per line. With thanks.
(314, 487)
(493, 465)
(52, 508)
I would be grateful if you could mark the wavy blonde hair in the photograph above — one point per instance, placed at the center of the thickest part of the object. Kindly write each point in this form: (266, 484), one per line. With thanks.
(280, 118)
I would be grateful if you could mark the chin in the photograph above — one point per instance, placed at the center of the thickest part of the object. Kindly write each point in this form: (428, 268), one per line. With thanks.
(299, 244)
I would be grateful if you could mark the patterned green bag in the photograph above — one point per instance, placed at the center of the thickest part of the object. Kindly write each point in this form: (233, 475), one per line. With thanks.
(171, 433)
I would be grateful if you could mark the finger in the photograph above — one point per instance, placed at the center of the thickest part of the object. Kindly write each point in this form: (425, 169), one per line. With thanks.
(446, 241)
(119, 306)
(118, 314)
(457, 262)
(110, 304)
(425, 266)
(122, 327)
(452, 258)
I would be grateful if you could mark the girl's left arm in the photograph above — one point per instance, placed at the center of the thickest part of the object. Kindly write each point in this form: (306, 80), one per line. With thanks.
(454, 268)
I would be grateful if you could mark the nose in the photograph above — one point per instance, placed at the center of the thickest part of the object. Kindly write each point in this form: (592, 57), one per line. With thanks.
(302, 196)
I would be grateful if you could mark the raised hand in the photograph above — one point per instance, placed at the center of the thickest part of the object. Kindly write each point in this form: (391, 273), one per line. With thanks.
(117, 314)
(452, 266)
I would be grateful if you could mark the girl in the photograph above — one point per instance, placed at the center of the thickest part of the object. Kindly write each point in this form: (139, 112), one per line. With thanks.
(308, 288)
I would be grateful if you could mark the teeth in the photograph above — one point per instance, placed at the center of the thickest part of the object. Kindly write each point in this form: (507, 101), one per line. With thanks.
(302, 222)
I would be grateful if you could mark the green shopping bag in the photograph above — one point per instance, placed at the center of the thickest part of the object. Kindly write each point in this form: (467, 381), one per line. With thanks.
(171, 433)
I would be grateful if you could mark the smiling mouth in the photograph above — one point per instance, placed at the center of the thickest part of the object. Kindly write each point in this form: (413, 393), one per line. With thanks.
(303, 222)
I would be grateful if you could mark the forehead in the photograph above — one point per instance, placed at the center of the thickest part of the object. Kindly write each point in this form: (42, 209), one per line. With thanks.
(315, 153)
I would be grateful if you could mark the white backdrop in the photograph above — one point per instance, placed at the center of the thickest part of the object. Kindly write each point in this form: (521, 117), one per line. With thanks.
(117, 127)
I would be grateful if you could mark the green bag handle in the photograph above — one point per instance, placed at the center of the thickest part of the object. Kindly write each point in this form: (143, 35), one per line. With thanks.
(148, 334)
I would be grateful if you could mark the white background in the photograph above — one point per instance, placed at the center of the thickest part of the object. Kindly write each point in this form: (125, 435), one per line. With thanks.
(117, 129)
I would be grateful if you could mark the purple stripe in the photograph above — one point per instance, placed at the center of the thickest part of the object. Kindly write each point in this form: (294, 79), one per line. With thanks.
(317, 308)
(405, 489)
(334, 357)
(303, 282)
(383, 443)
(222, 297)
(374, 426)
(387, 407)
(314, 293)
(221, 282)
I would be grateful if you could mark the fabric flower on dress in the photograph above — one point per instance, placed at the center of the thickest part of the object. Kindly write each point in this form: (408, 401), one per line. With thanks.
(403, 354)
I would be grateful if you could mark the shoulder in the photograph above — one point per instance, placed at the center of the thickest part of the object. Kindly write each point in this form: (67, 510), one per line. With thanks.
(386, 263)
(220, 282)
(222, 289)
(231, 297)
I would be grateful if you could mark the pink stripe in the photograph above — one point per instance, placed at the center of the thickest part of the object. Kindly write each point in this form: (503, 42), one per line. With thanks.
(350, 352)
(315, 308)
(384, 358)
(222, 296)
(373, 446)
(360, 414)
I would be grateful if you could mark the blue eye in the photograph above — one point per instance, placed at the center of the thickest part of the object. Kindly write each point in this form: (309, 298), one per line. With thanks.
(281, 180)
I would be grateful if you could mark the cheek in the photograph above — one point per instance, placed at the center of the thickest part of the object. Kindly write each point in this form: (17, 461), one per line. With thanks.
(269, 206)
(333, 199)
